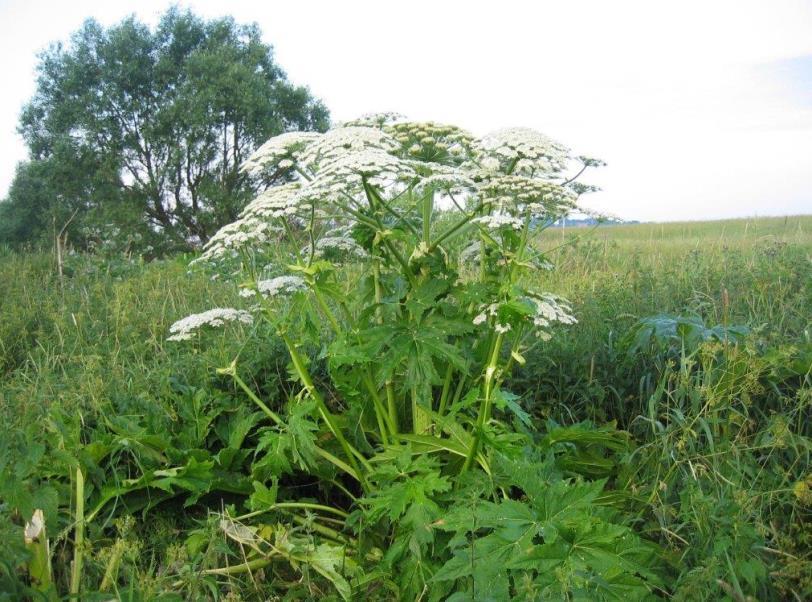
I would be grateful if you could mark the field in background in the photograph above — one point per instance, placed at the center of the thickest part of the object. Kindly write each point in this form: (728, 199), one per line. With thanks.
(750, 230)
(735, 270)
(93, 346)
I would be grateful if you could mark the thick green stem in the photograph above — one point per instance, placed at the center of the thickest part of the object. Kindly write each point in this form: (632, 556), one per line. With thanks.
(483, 260)
(293, 239)
(371, 198)
(449, 372)
(390, 391)
(329, 419)
(392, 407)
(294, 505)
(360, 216)
(311, 234)
(520, 251)
(253, 397)
(381, 413)
(322, 529)
(326, 309)
(39, 565)
(458, 391)
(111, 572)
(453, 229)
(338, 463)
(245, 567)
(485, 406)
(79, 538)
(428, 206)
(375, 199)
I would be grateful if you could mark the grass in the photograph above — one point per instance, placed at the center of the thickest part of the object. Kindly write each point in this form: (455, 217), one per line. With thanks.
(718, 464)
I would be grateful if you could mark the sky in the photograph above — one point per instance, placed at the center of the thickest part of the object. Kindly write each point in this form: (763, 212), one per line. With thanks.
(701, 109)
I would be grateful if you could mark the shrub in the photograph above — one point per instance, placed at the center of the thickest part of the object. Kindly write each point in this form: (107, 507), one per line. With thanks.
(428, 480)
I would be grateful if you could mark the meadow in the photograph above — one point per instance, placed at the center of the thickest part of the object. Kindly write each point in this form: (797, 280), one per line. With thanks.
(684, 390)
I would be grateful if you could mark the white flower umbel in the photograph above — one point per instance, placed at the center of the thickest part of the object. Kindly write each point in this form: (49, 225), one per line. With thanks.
(456, 183)
(528, 152)
(330, 246)
(430, 141)
(248, 232)
(185, 329)
(374, 120)
(549, 309)
(343, 178)
(280, 152)
(519, 194)
(499, 222)
(338, 143)
(281, 286)
(276, 202)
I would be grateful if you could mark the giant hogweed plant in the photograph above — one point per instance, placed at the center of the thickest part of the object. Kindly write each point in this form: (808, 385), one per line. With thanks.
(393, 266)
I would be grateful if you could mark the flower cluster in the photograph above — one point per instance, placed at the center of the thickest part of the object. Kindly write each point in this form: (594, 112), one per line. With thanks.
(281, 286)
(431, 141)
(499, 221)
(278, 201)
(499, 181)
(447, 181)
(374, 120)
(336, 144)
(491, 310)
(343, 178)
(518, 193)
(280, 152)
(228, 241)
(527, 151)
(549, 309)
(337, 246)
(185, 329)
(546, 309)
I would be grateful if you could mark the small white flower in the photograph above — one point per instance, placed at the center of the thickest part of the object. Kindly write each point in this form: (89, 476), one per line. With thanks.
(480, 318)
(502, 328)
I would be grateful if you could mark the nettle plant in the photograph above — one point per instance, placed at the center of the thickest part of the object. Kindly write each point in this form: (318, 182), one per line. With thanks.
(394, 267)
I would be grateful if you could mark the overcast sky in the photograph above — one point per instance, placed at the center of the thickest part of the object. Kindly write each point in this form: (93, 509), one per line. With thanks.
(702, 109)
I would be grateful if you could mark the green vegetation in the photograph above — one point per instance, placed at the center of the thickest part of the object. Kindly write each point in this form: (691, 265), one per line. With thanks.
(714, 470)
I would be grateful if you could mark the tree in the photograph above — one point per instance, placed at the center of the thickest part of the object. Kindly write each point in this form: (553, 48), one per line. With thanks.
(154, 122)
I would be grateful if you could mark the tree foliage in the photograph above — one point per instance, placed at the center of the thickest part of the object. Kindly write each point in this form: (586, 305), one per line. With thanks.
(145, 129)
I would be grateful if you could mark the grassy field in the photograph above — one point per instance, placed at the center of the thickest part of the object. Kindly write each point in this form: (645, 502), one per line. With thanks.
(692, 338)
